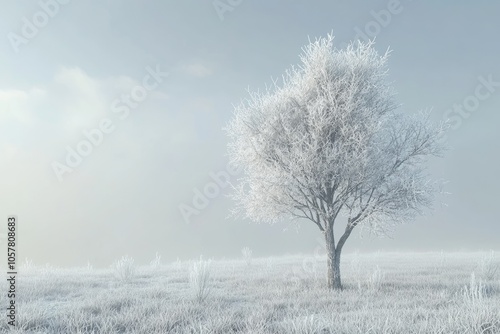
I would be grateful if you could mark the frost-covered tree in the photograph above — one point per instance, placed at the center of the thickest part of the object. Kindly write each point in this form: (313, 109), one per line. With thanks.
(329, 146)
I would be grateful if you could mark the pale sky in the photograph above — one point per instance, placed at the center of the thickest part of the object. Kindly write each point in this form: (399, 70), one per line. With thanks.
(161, 78)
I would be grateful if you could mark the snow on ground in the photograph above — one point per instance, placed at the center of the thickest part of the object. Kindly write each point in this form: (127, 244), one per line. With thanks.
(384, 293)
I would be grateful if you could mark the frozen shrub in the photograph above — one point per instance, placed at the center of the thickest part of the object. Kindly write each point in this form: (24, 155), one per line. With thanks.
(156, 262)
(89, 266)
(177, 264)
(27, 265)
(375, 280)
(488, 267)
(310, 268)
(475, 292)
(199, 279)
(124, 268)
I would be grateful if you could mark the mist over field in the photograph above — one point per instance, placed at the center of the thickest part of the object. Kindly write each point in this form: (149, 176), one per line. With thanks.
(249, 166)
(385, 293)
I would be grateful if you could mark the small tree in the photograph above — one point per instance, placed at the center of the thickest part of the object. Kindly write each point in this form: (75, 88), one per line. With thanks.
(329, 146)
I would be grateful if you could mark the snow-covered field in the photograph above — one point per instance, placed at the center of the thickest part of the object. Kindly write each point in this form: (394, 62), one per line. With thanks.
(383, 293)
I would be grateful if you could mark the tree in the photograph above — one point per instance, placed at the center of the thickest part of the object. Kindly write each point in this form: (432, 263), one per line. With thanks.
(330, 147)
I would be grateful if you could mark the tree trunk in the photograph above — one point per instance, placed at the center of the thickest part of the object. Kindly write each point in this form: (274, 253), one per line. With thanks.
(333, 252)
(334, 281)
(333, 261)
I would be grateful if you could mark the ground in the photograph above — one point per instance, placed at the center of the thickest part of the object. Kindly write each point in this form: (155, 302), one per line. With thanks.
(383, 293)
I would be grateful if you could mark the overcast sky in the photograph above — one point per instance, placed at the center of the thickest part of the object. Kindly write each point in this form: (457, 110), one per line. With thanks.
(159, 80)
